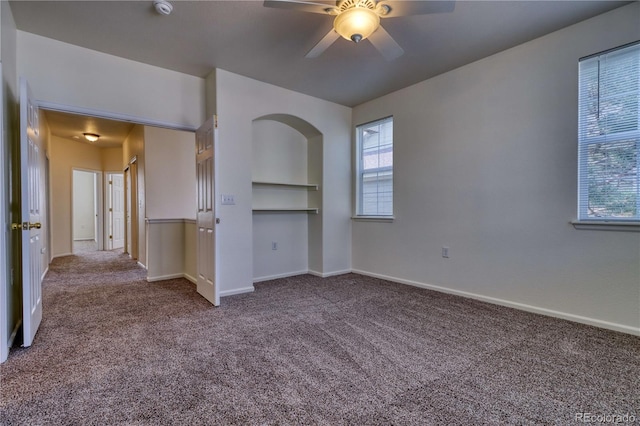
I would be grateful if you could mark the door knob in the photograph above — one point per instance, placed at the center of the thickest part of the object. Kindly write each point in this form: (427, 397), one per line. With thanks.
(25, 226)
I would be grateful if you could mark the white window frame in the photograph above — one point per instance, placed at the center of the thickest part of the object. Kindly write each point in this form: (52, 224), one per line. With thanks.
(584, 141)
(359, 173)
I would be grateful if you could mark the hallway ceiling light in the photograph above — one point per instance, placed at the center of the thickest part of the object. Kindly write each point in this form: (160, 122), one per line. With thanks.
(91, 137)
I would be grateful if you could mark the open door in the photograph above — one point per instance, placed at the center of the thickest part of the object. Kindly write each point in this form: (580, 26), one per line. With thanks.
(207, 284)
(31, 211)
(116, 211)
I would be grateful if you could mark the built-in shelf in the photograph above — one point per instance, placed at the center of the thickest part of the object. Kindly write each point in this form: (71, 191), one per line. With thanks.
(311, 186)
(286, 210)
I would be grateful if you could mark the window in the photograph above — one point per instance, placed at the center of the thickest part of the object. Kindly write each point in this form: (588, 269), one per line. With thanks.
(609, 136)
(374, 165)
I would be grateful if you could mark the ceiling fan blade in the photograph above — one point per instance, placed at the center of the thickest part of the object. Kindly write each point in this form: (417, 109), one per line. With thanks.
(323, 44)
(303, 6)
(404, 8)
(385, 44)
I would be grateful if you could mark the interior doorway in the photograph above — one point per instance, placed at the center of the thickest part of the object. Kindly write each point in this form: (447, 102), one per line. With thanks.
(86, 210)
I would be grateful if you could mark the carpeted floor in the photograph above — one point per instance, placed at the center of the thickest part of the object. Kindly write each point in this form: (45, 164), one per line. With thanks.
(114, 349)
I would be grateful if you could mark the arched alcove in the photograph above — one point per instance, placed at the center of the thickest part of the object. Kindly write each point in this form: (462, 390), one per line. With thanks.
(287, 196)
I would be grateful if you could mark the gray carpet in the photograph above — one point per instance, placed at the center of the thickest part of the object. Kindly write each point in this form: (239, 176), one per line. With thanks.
(114, 349)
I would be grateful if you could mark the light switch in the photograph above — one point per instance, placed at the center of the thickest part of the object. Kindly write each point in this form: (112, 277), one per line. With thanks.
(227, 200)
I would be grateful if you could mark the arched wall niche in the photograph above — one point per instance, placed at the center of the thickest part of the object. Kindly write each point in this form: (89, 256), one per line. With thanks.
(287, 164)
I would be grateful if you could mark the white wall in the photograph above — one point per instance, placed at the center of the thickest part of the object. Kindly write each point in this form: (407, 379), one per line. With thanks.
(170, 173)
(84, 205)
(485, 162)
(240, 100)
(108, 83)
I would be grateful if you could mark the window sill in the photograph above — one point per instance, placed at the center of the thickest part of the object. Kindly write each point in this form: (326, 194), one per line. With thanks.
(373, 218)
(611, 225)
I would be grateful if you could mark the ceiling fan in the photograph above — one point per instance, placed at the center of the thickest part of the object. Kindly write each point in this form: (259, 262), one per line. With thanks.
(357, 20)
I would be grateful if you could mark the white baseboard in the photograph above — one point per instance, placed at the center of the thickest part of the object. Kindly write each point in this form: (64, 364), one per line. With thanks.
(44, 273)
(237, 291)
(521, 306)
(164, 277)
(329, 274)
(190, 278)
(141, 264)
(309, 271)
(61, 255)
(275, 277)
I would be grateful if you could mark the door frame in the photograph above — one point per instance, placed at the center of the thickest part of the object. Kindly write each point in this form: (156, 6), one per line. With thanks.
(5, 264)
(143, 121)
(99, 206)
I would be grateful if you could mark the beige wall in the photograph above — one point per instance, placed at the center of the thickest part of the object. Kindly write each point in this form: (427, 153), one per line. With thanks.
(112, 159)
(171, 249)
(170, 173)
(485, 162)
(65, 155)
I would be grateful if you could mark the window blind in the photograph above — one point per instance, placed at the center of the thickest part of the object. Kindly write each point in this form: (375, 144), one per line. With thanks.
(609, 136)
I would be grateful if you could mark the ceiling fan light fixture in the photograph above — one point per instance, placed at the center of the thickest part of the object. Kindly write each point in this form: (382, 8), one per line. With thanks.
(91, 137)
(357, 23)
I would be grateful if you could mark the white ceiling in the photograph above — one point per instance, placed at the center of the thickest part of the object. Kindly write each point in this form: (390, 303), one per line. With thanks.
(270, 44)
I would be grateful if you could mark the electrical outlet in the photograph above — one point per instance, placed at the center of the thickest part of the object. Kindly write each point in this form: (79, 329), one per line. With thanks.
(274, 245)
(227, 200)
(445, 252)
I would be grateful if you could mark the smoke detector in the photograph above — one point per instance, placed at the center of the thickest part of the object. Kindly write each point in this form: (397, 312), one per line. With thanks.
(163, 7)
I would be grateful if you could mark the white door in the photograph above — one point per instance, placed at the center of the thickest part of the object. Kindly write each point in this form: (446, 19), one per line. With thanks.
(205, 220)
(31, 210)
(117, 211)
(127, 209)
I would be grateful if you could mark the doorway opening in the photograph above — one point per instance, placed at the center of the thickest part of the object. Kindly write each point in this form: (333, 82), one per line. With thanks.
(85, 214)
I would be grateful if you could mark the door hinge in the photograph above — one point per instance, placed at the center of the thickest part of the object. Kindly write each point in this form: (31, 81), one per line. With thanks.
(215, 121)
(110, 209)
(111, 237)
(110, 182)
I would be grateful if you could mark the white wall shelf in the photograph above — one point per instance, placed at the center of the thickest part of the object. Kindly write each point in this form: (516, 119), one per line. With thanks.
(310, 186)
(286, 210)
